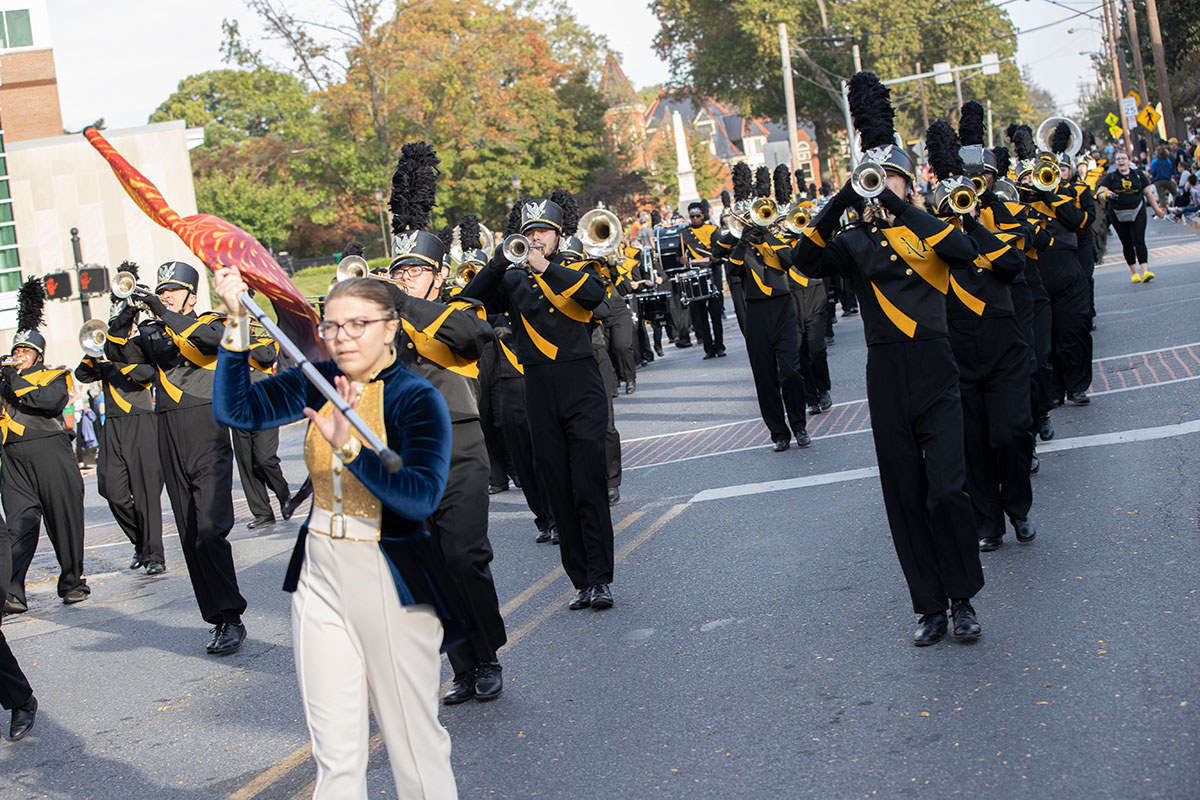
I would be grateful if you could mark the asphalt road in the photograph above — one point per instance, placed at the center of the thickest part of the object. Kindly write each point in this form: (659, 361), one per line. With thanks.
(760, 645)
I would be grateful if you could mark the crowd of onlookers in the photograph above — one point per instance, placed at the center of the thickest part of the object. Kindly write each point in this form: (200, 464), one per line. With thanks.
(1173, 170)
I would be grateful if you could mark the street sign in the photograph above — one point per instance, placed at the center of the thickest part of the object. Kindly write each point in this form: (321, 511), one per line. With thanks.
(1116, 131)
(1129, 107)
(942, 73)
(1112, 119)
(991, 63)
(1149, 118)
(1137, 98)
(58, 285)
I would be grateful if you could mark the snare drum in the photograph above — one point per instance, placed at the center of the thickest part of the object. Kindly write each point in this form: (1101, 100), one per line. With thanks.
(694, 285)
(653, 306)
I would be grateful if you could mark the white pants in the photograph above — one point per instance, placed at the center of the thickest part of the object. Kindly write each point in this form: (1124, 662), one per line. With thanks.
(358, 648)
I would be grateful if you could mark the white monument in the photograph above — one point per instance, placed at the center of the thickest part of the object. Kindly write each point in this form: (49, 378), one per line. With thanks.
(684, 172)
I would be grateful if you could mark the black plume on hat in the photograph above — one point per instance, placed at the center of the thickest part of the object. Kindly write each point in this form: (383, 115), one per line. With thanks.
(941, 148)
(128, 266)
(414, 187)
(1021, 137)
(762, 182)
(706, 209)
(1060, 140)
(970, 123)
(468, 232)
(871, 108)
(1089, 140)
(570, 206)
(726, 200)
(31, 303)
(446, 234)
(743, 181)
(353, 249)
(514, 217)
(1003, 160)
(801, 181)
(655, 218)
(783, 184)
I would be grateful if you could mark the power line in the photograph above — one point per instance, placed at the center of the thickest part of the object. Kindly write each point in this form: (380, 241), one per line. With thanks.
(926, 23)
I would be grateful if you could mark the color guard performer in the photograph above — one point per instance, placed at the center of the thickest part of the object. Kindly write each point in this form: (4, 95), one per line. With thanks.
(550, 302)
(442, 343)
(39, 476)
(195, 450)
(899, 259)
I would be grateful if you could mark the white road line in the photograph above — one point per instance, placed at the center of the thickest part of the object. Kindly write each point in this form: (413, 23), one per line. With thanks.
(1143, 386)
(1074, 443)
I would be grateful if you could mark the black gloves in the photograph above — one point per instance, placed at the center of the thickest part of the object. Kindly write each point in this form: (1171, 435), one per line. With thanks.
(152, 302)
(752, 234)
(846, 196)
(892, 202)
(9, 372)
(988, 198)
(969, 222)
(123, 319)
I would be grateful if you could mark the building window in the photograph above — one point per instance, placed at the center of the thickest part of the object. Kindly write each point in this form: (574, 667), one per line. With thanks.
(17, 31)
(10, 260)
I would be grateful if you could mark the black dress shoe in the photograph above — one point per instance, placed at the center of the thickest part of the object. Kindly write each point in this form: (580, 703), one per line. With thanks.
(966, 626)
(659, 351)
(782, 444)
(721, 353)
(1056, 402)
(74, 596)
(1035, 465)
(228, 639)
(630, 387)
(829, 341)
(22, 720)
(283, 504)
(462, 690)
(155, 569)
(14, 606)
(989, 543)
(616, 392)
(582, 599)
(261, 522)
(496, 489)
(1047, 429)
(136, 562)
(614, 495)
(554, 535)
(682, 343)
(930, 629)
(543, 536)
(489, 681)
(802, 438)
(825, 401)
(814, 410)
(297, 499)
(1025, 530)
(707, 356)
(1080, 399)
(601, 597)
(516, 481)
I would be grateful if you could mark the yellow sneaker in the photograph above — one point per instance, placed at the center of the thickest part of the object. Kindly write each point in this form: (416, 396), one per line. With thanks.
(1147, 276)
(1135, 278)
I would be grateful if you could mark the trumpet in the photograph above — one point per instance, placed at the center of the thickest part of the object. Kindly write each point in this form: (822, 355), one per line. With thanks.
(352, 267)
(1046, 176)
(868, 179)
(962, 197)
(516, 249)
(464, 275)
(795, 220)
(1007, 191)
(125, 285)
(761, 212)
(92, 336)
(600, 232)
(980, 183)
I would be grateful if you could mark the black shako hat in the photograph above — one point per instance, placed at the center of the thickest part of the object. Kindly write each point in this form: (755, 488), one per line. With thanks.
(414, 194)
(31, 304)
(976, 158)
(545, 214)
(874, 118)
(177, 275)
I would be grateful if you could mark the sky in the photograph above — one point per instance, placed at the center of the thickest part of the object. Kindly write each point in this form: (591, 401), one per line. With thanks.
(121, 58)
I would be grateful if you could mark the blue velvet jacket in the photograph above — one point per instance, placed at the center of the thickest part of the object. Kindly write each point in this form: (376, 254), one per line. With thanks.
(418, 428)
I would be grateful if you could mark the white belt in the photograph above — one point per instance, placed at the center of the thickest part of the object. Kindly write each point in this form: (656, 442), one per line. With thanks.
(343, 526)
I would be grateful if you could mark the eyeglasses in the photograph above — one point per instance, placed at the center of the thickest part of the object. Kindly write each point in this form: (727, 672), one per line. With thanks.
(410, 270)
(354, 328)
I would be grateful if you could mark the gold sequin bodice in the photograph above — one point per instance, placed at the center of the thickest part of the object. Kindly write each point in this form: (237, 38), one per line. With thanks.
(327, 470)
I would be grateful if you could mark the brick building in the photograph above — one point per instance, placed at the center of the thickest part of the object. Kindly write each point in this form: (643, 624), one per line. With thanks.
(28, 85)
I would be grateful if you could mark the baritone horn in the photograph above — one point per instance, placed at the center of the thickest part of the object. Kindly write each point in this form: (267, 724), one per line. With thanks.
(352, 267)
(868, 180)
(764, 212)
(1045, 133)
(600, 232)
(92, 336)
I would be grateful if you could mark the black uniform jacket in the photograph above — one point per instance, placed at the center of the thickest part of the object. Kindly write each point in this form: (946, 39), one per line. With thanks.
(126, 386)
(549, 312)
(181, 347)
(34, 400)
(441, 342)
(759, 267)
(982, 290)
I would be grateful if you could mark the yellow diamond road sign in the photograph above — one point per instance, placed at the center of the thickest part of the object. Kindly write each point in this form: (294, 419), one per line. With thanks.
(1149, 118)
(1111, 119)
(1116, 131)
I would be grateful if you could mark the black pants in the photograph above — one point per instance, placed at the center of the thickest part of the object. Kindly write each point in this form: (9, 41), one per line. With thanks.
(774, 353)
(737, 294)
(681, 318)
(257, 454)
(197, 461)
(15, 690)
(809, 302)
(40, 478)
(1071, 331)
(1087, 265)
(612, 439)
(993, 366)
(1133, 238)
(917, 424)
(130, 478)
(1022, 297)
(516, 439)
(460, 526)
(618, 330)
(706, 321)
(1043, 374)
(490, 412)
(567, 422)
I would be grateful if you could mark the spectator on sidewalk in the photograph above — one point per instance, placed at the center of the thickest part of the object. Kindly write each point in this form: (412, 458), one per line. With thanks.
(1162, 173)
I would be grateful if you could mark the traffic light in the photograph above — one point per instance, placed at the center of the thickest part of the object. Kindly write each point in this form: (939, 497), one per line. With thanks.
(93, 280)
(58, 285)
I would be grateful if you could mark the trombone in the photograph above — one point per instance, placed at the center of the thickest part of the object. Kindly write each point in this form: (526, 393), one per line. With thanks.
(352, 267)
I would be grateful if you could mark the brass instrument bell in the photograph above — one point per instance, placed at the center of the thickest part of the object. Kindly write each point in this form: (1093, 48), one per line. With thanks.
(92, 336)
(868, 179)
(600, 232)
(352, 267)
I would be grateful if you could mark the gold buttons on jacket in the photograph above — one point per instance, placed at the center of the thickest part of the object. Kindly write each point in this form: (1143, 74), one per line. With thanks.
(892, 256)
(410, 345)
(908, 272)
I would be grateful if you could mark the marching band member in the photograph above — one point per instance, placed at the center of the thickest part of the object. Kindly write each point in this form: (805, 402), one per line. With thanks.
(131, 482)
(257, 452)
(705, 312)
(16, 695)
(195, 450)
(372, 600)
(724, 244)
(442, 343)
(899, 261)
(770, 324)
(550, 303)
(39, 476)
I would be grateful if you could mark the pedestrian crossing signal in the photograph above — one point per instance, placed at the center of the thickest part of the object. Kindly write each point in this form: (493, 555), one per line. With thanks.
(93, 280)
(58, 285)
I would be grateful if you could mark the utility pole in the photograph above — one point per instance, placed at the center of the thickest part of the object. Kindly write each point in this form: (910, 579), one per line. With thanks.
(991, 129)
(958, 88)
(1160, 67)
(78, 252)
(857, 58)
(789, 96)
(1131, 16)
(1112, 56)
(921, 88)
